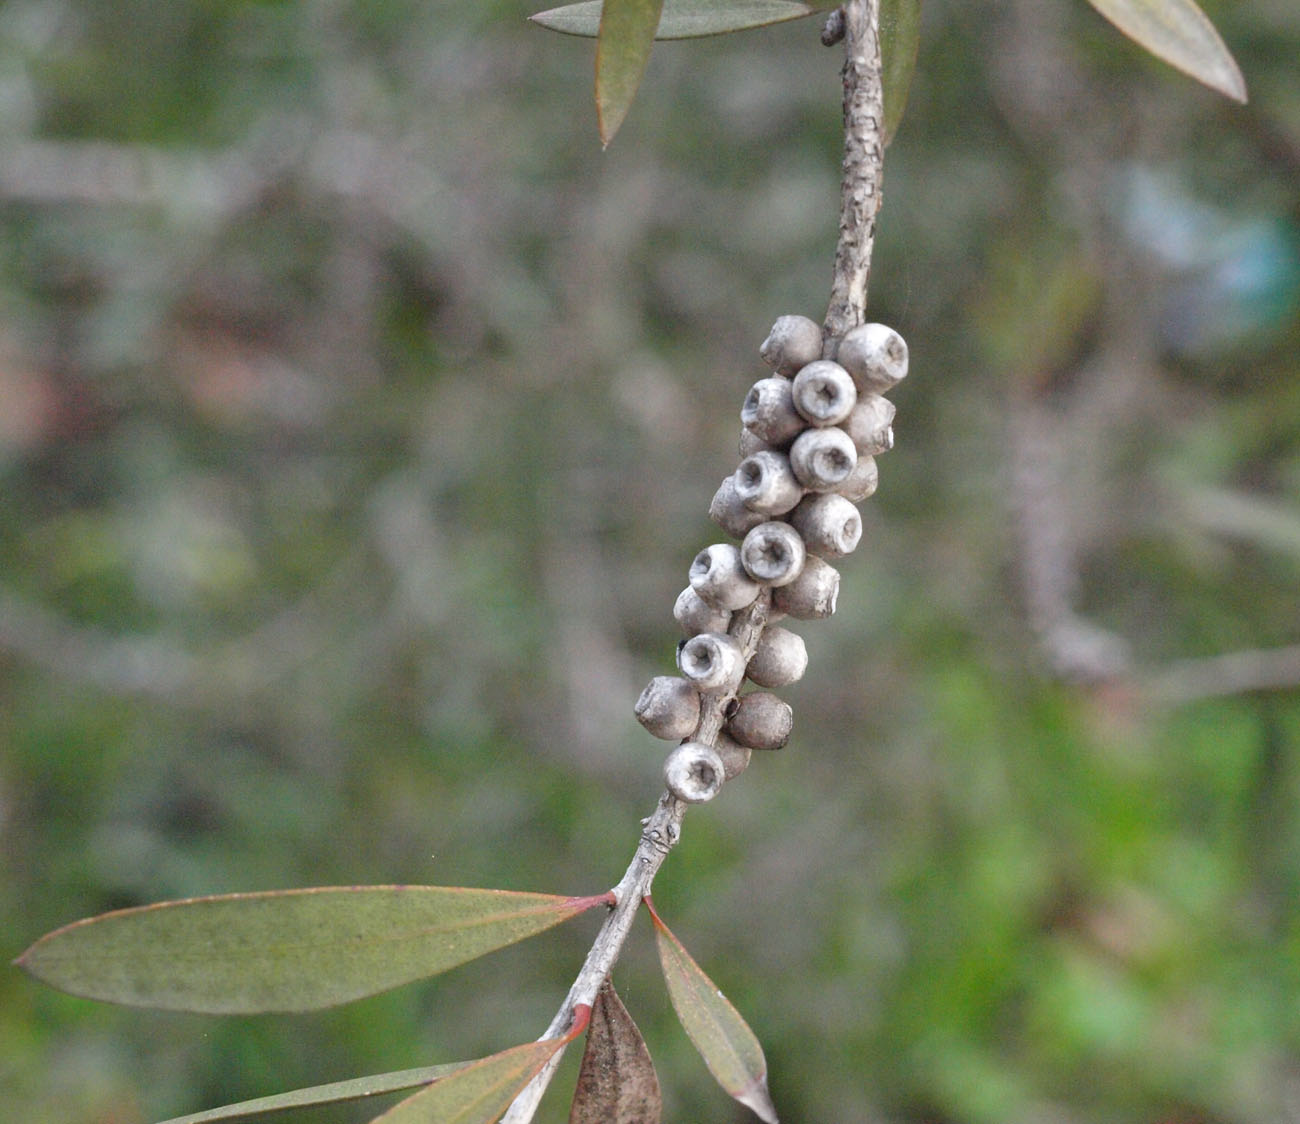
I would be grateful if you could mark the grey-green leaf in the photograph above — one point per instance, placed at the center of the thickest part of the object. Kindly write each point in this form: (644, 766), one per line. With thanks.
(627, 32)
(1181, 34)
(683, 19)
(900, 35)
(288, 950)
(355, 1089)
(724, 1040)
(478, 1093)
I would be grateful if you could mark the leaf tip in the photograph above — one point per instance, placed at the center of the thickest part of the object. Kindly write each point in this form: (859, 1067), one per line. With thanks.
(1235, 87)
(759, 1101)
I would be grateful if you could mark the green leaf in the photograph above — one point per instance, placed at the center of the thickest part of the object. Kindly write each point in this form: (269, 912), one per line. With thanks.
(1181, 34)
(722, 1037)
(900, 35)
(617, 1083)
(357, 1088)
(683, 19)
(481, 1091)
(627, 32)
(286, 950)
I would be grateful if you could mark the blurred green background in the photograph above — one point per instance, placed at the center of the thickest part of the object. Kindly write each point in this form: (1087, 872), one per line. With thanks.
(358, 422)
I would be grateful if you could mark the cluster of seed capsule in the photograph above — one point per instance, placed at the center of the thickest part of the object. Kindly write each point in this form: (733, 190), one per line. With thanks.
(811, 433)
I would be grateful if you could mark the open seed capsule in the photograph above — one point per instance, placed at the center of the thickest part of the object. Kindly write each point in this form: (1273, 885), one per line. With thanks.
(793, 342)
(870, 425)
(765, 483)
(822, 458)
(875, 355)
(861, 483)
(823, 393)
(694, 614)
(760, 720)
(719, 578)
(712, 661)
(669, 708)
(769, 413)
(773, 553)
(694, 772)
(729, 512)
(812, 595)
(830, 525)
(735, 757)
(779, 660)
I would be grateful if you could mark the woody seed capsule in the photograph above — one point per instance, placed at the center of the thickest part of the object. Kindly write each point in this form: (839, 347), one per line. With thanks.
(750, 443)
(793, 342)
(869, 425)
(669, 708)
(779, 660)
(822, 458)
(773, 553)
(875, 355)
(712, 661)
(729, 512)
(765, 483)
(719, 578)
(861, 482)
(735, 757)
(812, 595)
(823, 393)
(768, 412)
(696, 615)
(694, 772)
(830, 525)
(760, 720)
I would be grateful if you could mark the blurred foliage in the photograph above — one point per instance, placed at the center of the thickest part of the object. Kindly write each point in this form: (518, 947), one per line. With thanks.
(358, 419)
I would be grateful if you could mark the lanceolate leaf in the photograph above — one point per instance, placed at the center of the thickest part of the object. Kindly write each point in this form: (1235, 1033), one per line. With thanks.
(683, 19)
(358, 1088)
(1181, 34)
(722, 1037)
(287, 950)
(480, 1092)
(900, 34)
(627, 32)
(617, 1082)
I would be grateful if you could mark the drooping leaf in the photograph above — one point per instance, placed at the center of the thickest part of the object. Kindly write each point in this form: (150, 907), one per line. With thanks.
(358, 1088)
(683, 19)
(722, 1037)
(617, 1083)
(900, 35)
(287, 950)
(627, 32)
(481, 1091)
(1181, 34)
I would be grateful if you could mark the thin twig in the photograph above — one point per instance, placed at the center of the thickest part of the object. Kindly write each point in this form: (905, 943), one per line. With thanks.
(660, 833)
(863, 157)
(863, 169)
(1269, 669)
